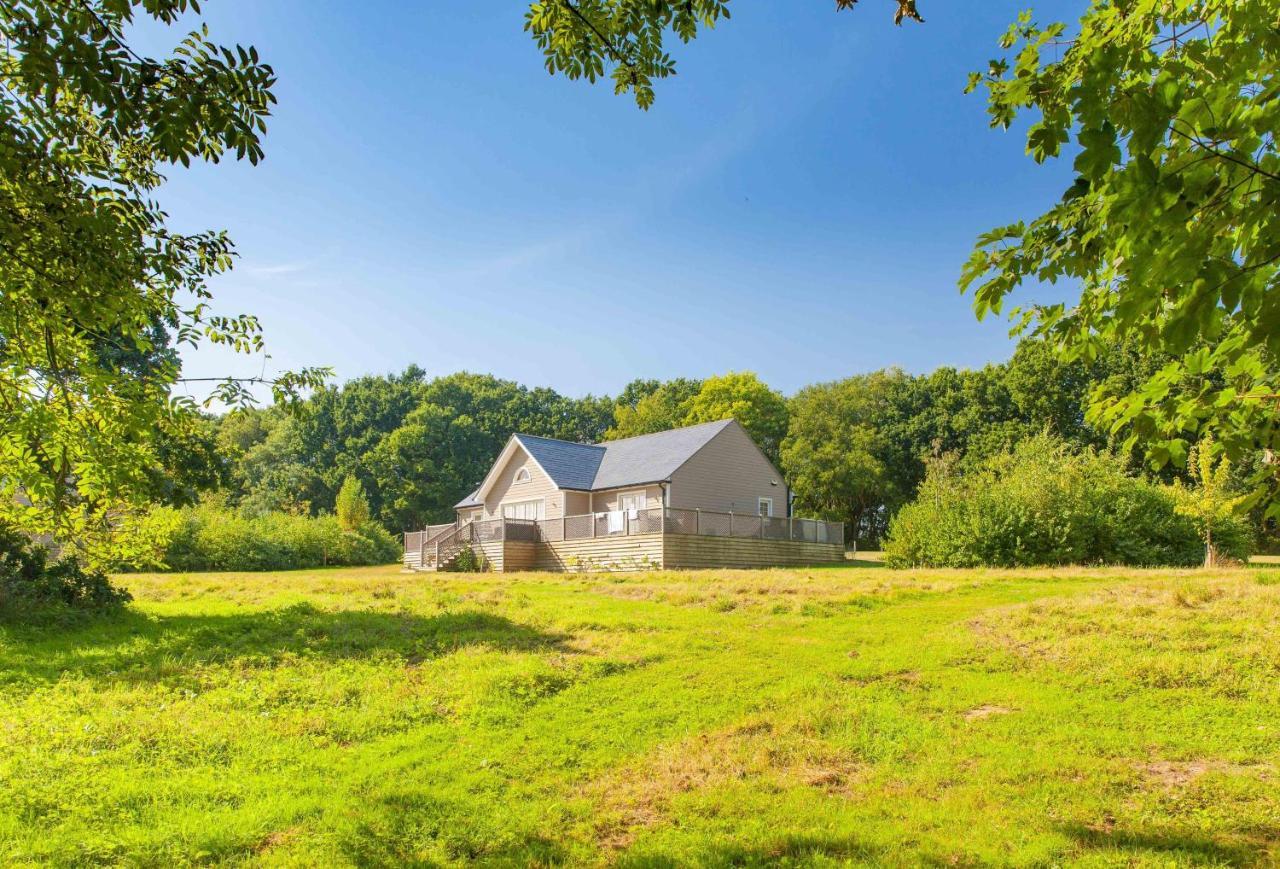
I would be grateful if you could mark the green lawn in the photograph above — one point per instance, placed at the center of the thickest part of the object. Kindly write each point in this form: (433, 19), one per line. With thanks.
(821, 716)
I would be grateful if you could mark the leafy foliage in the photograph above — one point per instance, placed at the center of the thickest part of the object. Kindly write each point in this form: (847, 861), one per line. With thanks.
(1044, 504)
(30, 582)
(745, 397)
(1213, 502)
(95, 287)
(1170, 226)
(469, 561)
(625, 38)
(352, 506)
(648, 406)
(212, 538)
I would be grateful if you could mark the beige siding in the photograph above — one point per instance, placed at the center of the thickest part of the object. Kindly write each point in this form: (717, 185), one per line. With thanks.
(505, 490)
(470, 514)
(577, 503)
(728, 475)
(640, 552)
(681, 551)
(609, 499)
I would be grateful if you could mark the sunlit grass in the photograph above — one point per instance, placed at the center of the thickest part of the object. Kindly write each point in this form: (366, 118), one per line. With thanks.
(829, 715)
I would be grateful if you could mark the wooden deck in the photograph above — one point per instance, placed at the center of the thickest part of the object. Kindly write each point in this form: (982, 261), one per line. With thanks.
(651, 539)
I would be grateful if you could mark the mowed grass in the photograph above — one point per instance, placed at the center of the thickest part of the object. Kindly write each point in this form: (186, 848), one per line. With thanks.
(842, 715)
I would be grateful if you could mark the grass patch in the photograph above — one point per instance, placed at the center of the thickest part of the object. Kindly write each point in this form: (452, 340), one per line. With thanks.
(812, 716)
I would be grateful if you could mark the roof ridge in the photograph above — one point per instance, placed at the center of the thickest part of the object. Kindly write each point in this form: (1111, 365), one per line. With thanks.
(665, 431)
(605, 444)
(521, 434)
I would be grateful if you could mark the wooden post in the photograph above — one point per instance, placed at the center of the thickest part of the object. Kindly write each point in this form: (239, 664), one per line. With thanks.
(593, 524)
(626, 523)
(563, 534)
(697, 521)
(762, 518)
(730, 523)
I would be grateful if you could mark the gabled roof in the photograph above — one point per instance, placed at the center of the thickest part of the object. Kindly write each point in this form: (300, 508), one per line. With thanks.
(569, 465)
(650, 458)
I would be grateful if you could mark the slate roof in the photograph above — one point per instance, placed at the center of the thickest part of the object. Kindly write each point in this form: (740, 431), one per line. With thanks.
(650, 458)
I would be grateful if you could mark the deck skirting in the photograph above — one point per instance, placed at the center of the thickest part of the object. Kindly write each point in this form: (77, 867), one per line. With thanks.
(637, 552)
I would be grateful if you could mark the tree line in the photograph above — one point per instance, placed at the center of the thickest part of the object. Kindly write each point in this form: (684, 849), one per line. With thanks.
(854, 450)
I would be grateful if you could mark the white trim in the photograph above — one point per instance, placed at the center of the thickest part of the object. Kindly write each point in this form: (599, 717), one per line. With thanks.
(503, 457)
(522, 475)
(541, 502)
(762, 500)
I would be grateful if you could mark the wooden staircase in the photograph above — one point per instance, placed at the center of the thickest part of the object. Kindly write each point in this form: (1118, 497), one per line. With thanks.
(440, 552)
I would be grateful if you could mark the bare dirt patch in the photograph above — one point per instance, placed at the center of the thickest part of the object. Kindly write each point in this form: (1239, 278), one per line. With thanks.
(1175, 774)
(640, 795)
(986, 711)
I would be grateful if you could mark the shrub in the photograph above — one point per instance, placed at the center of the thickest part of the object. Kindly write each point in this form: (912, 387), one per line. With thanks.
(211, 538)
(470, 561)
(1042, 504)
(29, 581)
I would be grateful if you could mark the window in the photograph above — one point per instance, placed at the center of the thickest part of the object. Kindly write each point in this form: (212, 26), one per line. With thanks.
(766, 506)
(522, 475)
(523, 510)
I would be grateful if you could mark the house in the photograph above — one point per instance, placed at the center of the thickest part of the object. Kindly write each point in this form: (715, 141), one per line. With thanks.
(700, 496)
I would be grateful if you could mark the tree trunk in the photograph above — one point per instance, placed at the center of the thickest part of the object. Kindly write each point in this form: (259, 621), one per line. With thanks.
(1210, 553)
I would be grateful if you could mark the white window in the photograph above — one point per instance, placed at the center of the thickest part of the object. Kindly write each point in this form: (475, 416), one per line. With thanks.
(523, 510)
(632, 501)
(522, 475)
(766, 506)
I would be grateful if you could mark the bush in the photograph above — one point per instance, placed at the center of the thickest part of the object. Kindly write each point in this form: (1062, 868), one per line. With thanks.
(470, 561)
(29, 581)
(212, 538)
(1042, 504)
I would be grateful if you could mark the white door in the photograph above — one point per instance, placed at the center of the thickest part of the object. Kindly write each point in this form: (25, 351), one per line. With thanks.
(630, 502)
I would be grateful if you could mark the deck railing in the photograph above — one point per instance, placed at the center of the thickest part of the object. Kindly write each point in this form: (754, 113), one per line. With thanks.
(626, 523)
(704, 523)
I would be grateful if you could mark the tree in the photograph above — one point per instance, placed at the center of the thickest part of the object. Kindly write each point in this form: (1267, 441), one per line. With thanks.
(744, 397)
(1170, 226)
(646, 407)
(838, 456)
(581, 38)
(1212, 502)
(94, 286)
(426, 466)
(352, 505)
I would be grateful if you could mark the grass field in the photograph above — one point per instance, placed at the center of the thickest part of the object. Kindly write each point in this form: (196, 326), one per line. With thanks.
(821, 716)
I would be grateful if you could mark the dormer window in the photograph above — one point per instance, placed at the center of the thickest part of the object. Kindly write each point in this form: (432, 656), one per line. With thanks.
(522, 475)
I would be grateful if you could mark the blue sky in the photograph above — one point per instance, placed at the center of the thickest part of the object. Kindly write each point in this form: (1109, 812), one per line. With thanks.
(799, 201)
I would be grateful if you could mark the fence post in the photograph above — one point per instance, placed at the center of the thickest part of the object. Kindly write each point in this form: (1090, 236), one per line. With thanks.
(762, 526)
(697, 521)
(563, 534)
(593, 524)
(791, 528)
(730, 523)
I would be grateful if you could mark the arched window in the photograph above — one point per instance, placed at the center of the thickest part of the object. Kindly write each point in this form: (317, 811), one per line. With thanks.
(522, 475)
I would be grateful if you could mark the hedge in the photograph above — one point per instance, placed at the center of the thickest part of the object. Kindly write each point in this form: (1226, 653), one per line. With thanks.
(1043, 504)
(212, 538)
